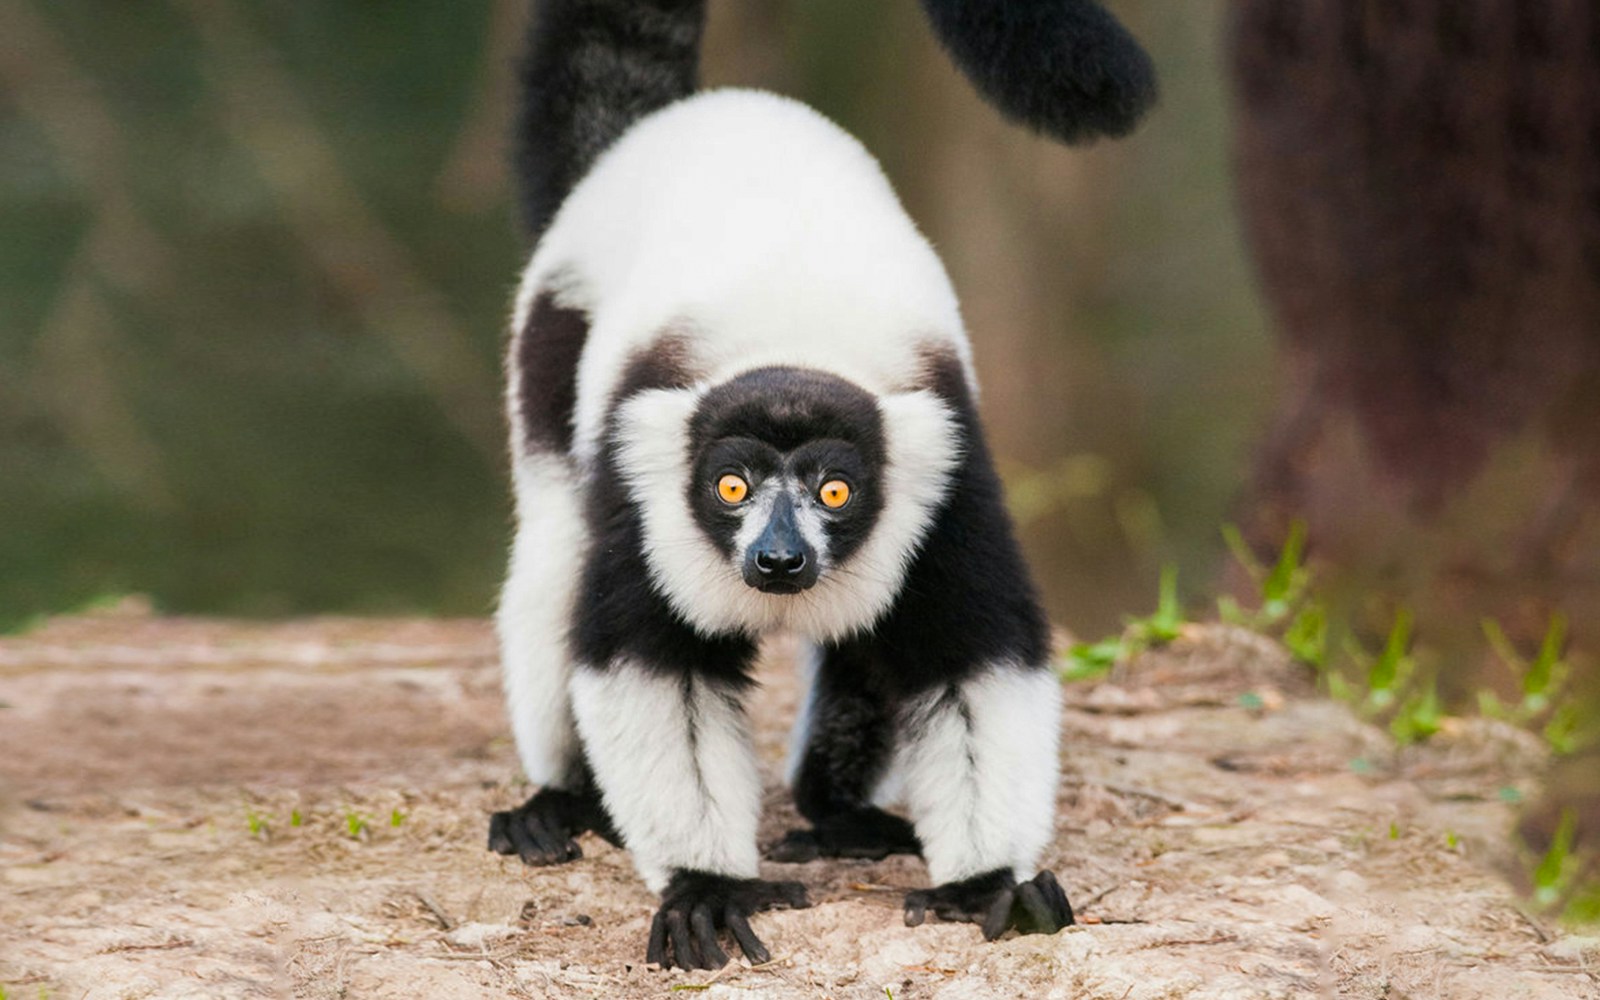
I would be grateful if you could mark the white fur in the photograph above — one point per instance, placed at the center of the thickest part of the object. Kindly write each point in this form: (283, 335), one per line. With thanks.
(536, 612)
(980, 784)
(676, 768)
(754, 514)
(708, 590)
(761, 229)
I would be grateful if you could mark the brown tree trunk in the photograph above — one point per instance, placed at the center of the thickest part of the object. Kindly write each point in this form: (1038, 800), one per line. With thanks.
(1420, 182)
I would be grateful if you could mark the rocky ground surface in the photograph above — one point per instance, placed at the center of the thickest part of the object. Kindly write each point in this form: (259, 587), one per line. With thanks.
(216, 809)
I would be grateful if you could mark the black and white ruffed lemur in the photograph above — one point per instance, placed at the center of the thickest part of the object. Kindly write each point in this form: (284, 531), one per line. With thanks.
(742, 401)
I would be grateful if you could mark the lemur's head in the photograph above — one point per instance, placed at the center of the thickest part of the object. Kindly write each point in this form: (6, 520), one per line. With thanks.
(787, 474)
(785, 497)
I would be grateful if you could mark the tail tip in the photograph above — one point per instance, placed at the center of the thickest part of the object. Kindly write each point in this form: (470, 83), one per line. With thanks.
(1068, 68)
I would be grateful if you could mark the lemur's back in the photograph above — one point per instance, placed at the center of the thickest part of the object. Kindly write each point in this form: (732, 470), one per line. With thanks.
(762, 224)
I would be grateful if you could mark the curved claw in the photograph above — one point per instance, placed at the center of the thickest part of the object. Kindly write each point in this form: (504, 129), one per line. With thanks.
(697, 905)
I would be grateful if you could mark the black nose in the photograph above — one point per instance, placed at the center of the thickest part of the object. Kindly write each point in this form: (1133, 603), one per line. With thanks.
(779, 563)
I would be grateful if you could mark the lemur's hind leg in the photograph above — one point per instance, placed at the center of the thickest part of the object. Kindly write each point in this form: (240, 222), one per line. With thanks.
(844, 739)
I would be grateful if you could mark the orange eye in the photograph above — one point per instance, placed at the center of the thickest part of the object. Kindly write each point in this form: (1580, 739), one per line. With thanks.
(732, 489)
(835, 493)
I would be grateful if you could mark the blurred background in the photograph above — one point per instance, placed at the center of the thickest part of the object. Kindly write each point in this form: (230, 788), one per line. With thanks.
(257, 261)
(257, 258)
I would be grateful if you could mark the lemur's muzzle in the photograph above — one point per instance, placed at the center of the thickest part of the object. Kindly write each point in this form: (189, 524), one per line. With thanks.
(779, 561)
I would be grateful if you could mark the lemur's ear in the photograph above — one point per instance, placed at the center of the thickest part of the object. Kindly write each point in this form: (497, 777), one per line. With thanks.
(1066, 68)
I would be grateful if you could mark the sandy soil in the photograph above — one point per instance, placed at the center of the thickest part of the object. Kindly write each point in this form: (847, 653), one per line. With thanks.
(211, 809)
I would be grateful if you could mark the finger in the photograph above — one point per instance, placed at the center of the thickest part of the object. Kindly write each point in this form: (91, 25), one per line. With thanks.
(999, 915)
(916, 910)
(1056, 897)
(1036, 916)
(499, 839)
(793, 895)
(682, 942)
(705, 935)
(571, 851)
(527, 846)
(657, 950)
(952, 910)
(751, 945)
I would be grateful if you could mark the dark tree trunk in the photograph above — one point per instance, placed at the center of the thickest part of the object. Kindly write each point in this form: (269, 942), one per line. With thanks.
(1420, 182)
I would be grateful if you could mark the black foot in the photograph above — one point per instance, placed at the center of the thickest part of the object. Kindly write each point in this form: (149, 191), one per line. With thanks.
(544, 829)
(867, 833)
(696, 905)
(997, 902)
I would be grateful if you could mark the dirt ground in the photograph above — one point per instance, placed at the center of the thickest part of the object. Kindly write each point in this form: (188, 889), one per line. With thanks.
(214, 809)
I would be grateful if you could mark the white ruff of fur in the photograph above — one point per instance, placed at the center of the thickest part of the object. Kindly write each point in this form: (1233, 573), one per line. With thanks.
(535, 613)
(678, 773)
(981, 784)
(708, 589)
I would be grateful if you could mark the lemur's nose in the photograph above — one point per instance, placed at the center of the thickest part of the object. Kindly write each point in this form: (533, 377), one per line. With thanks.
(778, 563)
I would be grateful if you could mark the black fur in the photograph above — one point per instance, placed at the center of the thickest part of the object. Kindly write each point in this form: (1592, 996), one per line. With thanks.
(548, 348)
(850, 738)
(592, 69)
(967, 600)
(619, 613)
(1064, 67)
(811, 424)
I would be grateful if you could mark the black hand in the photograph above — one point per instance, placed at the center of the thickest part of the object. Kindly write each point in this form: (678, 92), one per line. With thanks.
(995, 901)
(543, 830)
(696, 905)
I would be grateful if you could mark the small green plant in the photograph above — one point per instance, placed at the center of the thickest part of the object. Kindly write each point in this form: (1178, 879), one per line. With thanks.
(1307, 635)
(355, 824)
(1281, 587)
(396, 817)
(1090, 660)
(1555, 870)
(1419, 716)
(295, 819)
(258, 824)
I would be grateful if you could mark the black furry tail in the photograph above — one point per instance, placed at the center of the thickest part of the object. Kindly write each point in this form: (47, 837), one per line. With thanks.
(592, 68)
(1064, 67)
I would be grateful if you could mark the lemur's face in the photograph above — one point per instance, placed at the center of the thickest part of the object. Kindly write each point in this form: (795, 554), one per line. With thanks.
(787, 478)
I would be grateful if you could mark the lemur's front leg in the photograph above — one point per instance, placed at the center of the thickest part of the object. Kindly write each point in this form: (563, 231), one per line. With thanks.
(672, 756)
(979, 762)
